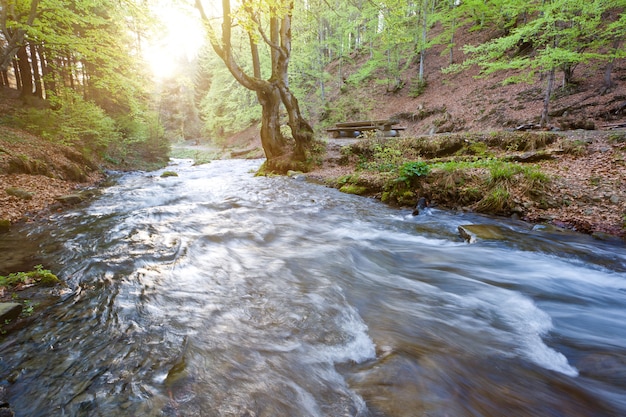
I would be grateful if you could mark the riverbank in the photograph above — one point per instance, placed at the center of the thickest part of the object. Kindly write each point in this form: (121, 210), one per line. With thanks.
(578, 177)
(36, 174)
(586, 190)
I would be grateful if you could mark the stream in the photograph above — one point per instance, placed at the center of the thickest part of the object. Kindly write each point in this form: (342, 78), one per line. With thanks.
(218, 293)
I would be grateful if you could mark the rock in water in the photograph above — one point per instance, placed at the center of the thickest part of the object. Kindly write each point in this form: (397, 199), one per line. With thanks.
(472, 232)
(422, 203)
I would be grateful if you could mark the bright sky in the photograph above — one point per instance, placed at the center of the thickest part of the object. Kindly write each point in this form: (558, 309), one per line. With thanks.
(182, 37)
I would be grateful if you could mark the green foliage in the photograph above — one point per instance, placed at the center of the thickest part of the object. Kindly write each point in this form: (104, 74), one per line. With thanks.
(76, 122)
(410, 170)
(418, 87)
(497, 200)
(199, 156)
(227, 107)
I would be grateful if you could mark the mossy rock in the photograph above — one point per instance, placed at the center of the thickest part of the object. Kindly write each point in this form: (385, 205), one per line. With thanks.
(353, 189)
(166, 174)
(19, 193)
(5, 225)
(70, 199)
(473, 232)
(38, 276)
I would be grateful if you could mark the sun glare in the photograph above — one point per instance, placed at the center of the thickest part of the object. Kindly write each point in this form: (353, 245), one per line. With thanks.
(177, 42)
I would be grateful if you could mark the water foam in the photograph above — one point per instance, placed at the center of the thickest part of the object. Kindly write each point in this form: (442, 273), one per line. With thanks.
(526, 323)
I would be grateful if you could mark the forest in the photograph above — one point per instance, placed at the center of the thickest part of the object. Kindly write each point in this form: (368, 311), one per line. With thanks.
(82, 69)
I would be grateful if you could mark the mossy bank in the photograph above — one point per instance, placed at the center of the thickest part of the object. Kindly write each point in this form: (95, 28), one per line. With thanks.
(571, 179)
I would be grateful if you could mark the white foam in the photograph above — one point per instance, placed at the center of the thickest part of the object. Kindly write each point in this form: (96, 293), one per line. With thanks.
(526, 323)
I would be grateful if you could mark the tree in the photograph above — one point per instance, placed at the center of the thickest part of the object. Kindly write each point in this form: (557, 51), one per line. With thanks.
(561, 34)
(15, 18)
(268, 23)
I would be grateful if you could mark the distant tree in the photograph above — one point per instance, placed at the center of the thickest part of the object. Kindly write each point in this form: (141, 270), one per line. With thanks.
(611, 38)
(266, 23)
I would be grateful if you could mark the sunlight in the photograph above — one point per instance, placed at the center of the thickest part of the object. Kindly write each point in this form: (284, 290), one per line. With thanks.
(177, 41)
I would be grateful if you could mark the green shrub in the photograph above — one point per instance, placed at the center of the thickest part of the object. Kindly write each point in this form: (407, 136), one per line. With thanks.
(410, 170)
(75, 121)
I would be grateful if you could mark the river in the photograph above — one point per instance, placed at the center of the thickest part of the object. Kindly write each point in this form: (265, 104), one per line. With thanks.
(218, 293)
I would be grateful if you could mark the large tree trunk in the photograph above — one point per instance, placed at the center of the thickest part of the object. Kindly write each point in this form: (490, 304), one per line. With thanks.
(49, 85)
(26, 75)
(13, 38)
(272, 139)
(16, 72)
(301, 130)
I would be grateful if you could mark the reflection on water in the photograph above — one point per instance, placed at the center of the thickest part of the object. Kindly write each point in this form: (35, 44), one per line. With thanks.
(217, 293)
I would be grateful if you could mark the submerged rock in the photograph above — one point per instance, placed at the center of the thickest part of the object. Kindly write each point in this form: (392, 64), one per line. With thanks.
(422, 203)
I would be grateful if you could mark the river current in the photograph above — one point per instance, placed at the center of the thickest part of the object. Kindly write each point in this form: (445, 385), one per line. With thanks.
(218, 293)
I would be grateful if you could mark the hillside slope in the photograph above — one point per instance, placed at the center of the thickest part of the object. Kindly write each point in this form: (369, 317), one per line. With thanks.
(466, 102)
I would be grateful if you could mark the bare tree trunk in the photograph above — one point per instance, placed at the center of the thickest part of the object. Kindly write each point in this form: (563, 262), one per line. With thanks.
(608, 70)
(16, 72)
(49, 84)
(14, 38)
(36, 73)
(546, 100)
(26, 75)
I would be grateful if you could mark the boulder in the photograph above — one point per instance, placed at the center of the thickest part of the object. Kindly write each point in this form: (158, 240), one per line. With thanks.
(422, 203)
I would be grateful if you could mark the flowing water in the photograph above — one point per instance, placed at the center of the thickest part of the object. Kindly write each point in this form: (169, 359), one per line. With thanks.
(217, 293)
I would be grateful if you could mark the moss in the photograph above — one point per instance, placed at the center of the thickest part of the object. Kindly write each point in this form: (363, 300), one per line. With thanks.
(5, 225)
(353, 189)
(166, 174)
(19, 193)
(617, 137)
(38, 276)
